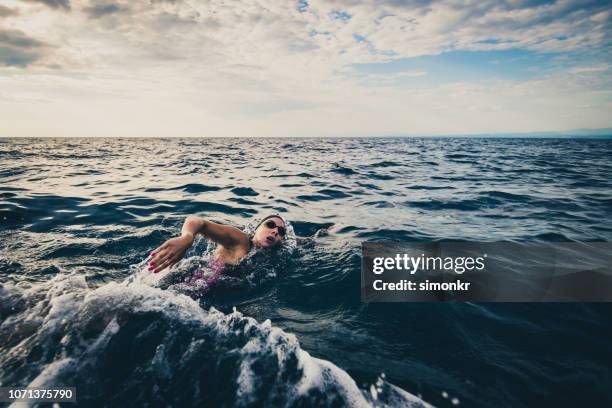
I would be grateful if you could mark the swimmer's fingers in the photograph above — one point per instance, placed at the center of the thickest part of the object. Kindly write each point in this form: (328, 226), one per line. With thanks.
(171, 251)
(163, 257)
(168, 258)
(161, 267)
(168, 262)
(159, 256)
(175, 257)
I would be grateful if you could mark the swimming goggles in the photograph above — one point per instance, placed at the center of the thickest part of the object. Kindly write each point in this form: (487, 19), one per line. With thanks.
(281, 230)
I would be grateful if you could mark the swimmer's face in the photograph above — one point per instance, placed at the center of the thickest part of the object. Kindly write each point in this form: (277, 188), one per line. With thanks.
(270, 233)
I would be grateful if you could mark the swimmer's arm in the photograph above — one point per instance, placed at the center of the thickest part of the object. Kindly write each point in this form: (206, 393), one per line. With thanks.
(173, 250)
(227, 236)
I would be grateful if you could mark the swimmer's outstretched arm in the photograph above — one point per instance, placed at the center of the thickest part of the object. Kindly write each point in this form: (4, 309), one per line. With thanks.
(173, 250)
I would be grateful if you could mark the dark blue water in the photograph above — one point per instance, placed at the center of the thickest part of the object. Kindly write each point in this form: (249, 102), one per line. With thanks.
(75, 215)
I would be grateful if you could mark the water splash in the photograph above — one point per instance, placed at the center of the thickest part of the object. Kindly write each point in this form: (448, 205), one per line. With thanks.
(130, 343)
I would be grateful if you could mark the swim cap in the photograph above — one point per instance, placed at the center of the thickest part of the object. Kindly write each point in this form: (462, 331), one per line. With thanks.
(267, 218)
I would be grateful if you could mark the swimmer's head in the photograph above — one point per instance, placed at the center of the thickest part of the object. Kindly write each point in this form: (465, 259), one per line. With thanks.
(270, 232)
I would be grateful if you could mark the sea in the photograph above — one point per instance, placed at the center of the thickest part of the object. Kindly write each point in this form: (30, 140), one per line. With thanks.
(79, 217)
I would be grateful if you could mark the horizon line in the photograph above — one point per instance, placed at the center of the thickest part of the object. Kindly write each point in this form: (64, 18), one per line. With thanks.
(576, 133)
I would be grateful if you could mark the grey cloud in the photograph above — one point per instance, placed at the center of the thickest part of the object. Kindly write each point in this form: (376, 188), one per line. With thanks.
(18, 39)
(5, 11)
(409, 3)
(64, 4)
(103, 9)
(529, 3)
(17, 49)
(10, 56)
(169, 20)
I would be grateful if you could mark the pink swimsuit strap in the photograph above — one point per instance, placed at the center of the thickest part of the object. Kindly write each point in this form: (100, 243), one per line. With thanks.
(217, 265)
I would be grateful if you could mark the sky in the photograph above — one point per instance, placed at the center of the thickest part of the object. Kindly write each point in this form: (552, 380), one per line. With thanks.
(273, 68)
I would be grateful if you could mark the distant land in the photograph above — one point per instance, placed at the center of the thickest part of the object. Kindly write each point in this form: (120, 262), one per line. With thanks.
(598, 133)
(594, 133)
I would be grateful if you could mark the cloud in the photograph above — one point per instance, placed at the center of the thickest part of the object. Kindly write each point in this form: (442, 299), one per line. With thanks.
(343, 32)
(393, 77)
(10, 56)
(102, 9)
(56, 4)
(18, 39)
(6, 11)
(17, 49)
(590, 69)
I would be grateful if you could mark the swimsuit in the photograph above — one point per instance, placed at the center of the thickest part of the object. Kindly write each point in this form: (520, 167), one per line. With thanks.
(219, 268)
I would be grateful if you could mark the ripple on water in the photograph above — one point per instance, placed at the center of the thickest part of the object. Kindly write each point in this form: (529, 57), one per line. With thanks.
(244, 191)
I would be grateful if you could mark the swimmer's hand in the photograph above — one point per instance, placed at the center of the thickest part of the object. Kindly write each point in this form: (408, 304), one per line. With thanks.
(170, 252)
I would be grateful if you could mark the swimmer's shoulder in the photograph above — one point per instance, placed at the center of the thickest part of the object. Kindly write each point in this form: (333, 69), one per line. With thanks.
(233, 256)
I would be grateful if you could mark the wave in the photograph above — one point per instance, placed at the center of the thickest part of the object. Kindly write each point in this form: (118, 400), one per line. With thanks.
(244, 191)
(344, 170)
(129, 343)
(193, 188)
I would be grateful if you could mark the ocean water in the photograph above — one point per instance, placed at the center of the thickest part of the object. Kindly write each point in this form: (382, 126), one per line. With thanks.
(79, 216)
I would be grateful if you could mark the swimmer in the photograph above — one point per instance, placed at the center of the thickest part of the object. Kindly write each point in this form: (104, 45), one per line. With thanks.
(233, 244)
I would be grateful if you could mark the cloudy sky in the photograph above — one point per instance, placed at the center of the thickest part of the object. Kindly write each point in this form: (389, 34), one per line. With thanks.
(302, 68)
